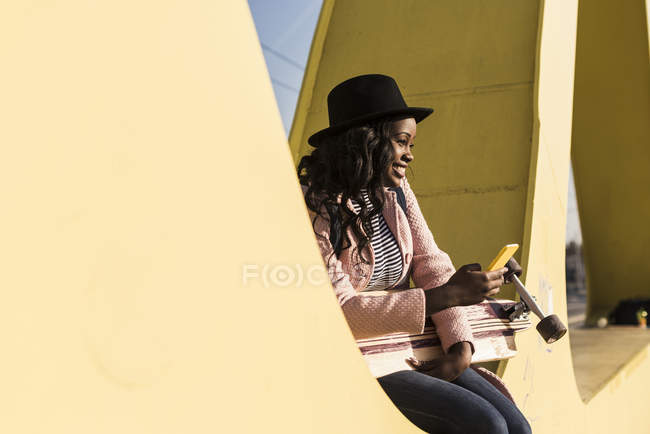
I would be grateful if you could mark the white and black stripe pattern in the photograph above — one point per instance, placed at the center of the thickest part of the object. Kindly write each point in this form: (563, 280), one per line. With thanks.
(388, 259)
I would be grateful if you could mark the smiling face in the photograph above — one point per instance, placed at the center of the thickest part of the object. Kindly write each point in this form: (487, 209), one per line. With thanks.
(402, 136)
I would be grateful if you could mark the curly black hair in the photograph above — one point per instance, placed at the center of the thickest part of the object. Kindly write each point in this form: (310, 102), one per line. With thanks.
(346, 163)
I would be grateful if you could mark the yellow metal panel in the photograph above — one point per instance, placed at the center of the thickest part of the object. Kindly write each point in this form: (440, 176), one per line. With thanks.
(143, 166)
(611, 151)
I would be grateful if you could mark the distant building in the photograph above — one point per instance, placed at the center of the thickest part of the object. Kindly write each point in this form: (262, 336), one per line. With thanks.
(575, 269)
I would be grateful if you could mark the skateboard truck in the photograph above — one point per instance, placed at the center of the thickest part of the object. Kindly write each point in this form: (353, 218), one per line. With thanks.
(549, 327)
(517, 310)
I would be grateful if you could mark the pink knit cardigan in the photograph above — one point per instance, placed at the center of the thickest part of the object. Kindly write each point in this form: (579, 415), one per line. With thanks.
(403, 309)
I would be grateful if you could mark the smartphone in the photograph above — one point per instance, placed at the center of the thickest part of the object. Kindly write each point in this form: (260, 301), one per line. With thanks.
(504, 255)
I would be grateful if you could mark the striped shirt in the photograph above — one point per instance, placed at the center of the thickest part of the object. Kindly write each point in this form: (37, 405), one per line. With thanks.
(388, 259)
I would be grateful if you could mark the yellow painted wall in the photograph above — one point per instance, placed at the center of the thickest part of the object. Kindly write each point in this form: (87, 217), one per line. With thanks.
(491, 164)
(143, 165)
(611, 150)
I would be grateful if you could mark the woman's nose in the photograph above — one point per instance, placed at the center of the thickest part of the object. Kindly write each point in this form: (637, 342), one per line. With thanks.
(407, 156)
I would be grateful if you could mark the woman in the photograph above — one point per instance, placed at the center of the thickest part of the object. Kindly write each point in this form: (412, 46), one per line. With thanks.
(352, 183)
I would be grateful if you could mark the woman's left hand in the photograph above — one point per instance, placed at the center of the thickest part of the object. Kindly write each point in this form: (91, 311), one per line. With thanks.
(448, 367)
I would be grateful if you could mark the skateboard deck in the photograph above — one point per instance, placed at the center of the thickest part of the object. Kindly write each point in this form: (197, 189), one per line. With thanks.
(493, 340)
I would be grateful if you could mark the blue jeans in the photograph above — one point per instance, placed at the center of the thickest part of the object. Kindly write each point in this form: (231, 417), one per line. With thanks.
(469, 404)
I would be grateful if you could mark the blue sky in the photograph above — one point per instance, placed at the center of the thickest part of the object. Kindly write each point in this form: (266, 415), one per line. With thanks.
(285, 29)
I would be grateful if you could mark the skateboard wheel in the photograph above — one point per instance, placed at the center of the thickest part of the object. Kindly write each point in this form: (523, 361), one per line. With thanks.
(551, 328)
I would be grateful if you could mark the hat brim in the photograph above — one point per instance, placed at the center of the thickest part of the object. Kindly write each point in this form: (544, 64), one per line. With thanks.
(418, 113)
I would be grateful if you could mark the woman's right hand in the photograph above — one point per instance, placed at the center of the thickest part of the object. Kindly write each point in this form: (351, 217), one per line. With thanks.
(469, 285)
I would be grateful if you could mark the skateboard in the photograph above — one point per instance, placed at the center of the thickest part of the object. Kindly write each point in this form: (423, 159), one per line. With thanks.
(493, 326)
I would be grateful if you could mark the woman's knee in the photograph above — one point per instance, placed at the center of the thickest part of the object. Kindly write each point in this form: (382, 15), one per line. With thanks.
(519, 426)
(436, 403)
(485, 419)
(488, 424)
(515, 420)
(495, 424)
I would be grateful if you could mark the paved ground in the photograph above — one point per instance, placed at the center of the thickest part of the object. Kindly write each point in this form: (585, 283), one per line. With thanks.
(598, 354)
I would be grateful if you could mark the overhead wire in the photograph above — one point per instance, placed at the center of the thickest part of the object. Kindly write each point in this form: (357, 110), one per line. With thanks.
(282, 56)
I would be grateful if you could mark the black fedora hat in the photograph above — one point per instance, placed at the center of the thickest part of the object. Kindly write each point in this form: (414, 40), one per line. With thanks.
(365, 98)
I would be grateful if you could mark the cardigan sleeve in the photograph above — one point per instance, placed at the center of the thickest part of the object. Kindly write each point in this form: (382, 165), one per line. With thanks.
(432, 268)
(368, 315)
